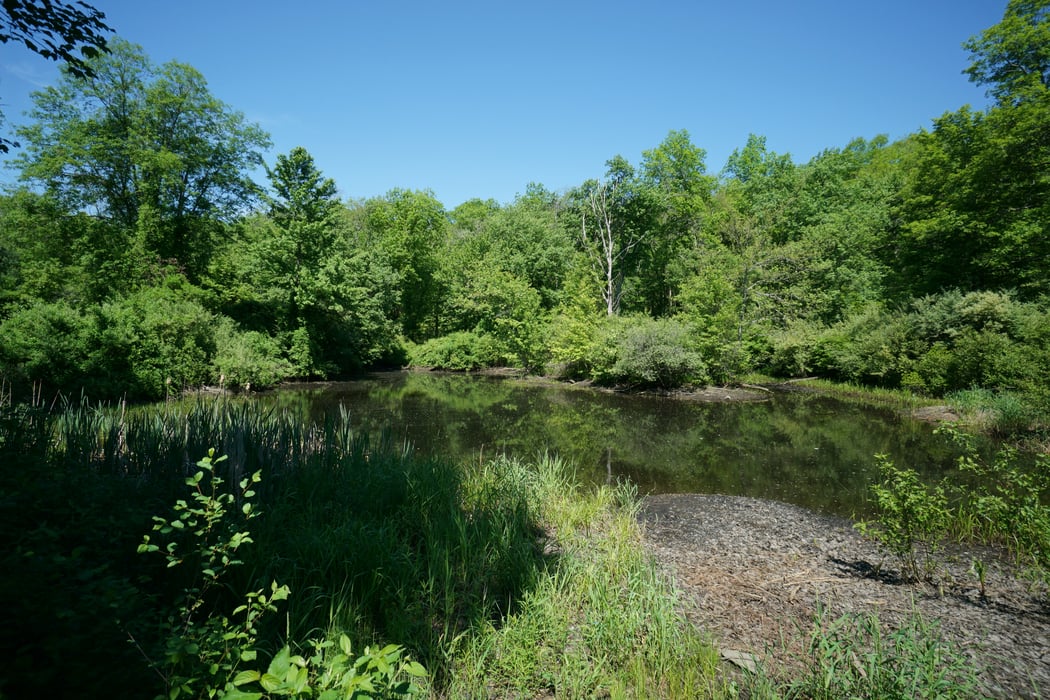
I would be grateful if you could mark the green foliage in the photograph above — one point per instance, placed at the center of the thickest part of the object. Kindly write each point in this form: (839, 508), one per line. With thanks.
(856, 656)
(1006, 508)
(147, 147)
(153, 343)
(942, 343)
(1012, 57)
(460, 351)
(1009, 505)
(333, 672)
(246, 357)
(505, 309)
(409, 229)
(46, 342)
(575, 326)
(642, 352)
(205, 647)
(913, 519)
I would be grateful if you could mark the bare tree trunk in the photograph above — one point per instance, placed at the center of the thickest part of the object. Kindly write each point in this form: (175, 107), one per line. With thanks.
(610, 251)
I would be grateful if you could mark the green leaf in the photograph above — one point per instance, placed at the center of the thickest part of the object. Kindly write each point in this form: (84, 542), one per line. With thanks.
(344, 644)
(246, 677)
(270, 682)
(236, 694)
(414, 668)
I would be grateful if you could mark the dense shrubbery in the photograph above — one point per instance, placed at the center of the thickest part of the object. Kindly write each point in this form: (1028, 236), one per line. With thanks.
(642, 352)
(939, 344)
(152, 343)
(464, 350)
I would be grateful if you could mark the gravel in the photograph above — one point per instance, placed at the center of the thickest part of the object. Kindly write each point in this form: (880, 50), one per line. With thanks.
(754, 572)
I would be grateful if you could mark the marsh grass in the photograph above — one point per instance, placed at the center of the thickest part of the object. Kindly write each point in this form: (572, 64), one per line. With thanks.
(868, 395)
(603, 622)
(1003, 413)
(493, 574)
(858, 656)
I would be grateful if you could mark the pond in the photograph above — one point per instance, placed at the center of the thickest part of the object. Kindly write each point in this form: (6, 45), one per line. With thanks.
(803, 448)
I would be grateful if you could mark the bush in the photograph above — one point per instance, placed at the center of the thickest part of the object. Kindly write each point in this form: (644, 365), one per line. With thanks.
(462, 351)
(152, 343)
(642, 352)
(247, 357)
(46, 343)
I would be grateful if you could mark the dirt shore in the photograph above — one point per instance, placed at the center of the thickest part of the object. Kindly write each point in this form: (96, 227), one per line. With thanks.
(754, 573)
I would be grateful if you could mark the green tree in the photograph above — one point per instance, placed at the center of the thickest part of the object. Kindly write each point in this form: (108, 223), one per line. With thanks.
(1013, 57)
(302, 213)
(147, 148)
(676, 174)
(56, 30)
(410, 230)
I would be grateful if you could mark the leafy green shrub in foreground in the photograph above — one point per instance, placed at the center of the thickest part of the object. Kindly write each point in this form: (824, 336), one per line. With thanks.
(209, 653)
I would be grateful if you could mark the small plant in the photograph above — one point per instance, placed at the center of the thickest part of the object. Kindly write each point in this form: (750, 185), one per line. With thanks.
(377, 673)
(856, 657)
(205, 648)
(912, 519)
(1008, 506)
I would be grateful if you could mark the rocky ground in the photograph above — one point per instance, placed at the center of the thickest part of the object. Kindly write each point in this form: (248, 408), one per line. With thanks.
(754, 573)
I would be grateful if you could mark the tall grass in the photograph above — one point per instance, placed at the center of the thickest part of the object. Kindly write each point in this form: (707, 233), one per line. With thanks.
(602, 622)
(857, 656)
(373, 542)
(505, 578)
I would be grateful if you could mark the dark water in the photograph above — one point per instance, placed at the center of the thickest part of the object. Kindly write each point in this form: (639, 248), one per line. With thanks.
(806, 449)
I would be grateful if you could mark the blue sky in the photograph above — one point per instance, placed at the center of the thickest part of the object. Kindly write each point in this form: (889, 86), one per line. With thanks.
(477, 99)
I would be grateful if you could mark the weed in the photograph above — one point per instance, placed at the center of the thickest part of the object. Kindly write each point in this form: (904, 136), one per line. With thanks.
(912, 520)
(856, 656)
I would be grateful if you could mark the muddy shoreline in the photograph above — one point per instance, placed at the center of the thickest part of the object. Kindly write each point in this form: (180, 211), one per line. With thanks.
(753, 573)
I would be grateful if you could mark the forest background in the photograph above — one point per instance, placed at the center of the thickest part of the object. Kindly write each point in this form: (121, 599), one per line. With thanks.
(139, 258)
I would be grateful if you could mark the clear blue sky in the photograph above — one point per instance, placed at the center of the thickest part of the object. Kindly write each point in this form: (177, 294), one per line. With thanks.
(477, 99)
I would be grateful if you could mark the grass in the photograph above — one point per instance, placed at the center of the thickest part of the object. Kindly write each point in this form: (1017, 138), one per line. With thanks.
(504, 578)
(877, 396)
(856, 656)
(603, 622)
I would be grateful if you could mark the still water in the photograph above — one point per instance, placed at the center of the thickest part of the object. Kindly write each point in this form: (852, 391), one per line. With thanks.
(810, 450)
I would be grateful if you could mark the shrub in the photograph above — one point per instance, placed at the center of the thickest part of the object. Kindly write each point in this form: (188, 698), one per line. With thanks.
(247, 357)
(152, 343)
(47, 343)
(463, 351)
(912, 519)
(642, 352)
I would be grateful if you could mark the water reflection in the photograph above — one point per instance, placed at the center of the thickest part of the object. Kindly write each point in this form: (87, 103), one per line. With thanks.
(806, 449)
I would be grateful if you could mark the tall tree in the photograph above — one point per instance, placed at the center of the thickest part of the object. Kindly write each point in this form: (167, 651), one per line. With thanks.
(1013, 57)
(410, 229)
(148, 148)
(676, 173)
(302, 212)
(616, 216)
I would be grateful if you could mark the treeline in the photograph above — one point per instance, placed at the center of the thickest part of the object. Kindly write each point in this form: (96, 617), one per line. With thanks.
(140, 257)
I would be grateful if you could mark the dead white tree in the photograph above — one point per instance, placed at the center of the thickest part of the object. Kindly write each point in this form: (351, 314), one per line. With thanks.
(608, 243)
